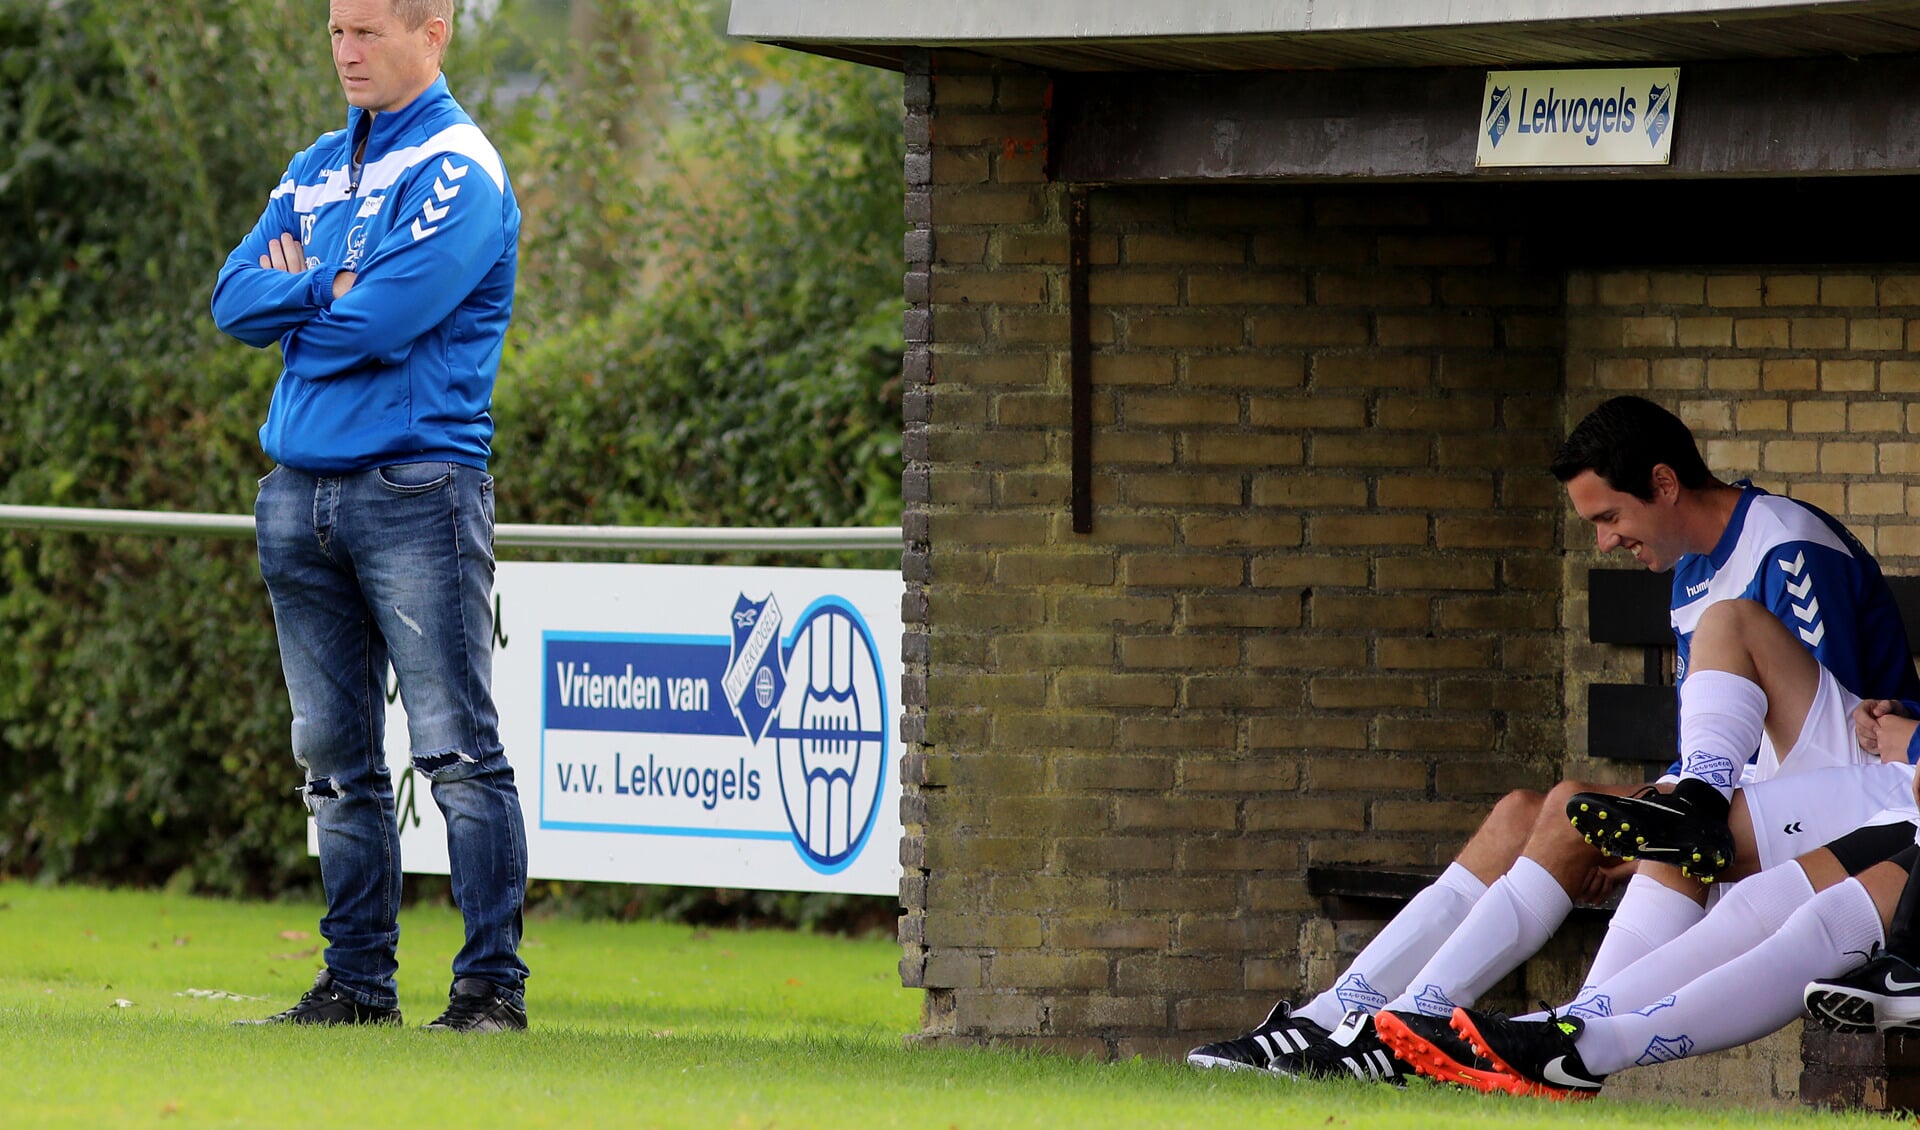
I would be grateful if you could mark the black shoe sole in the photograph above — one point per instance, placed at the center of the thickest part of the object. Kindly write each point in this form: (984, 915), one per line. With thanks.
(1608, 823)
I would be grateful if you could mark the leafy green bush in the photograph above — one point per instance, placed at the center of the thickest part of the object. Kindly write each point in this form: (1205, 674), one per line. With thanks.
(707, 333)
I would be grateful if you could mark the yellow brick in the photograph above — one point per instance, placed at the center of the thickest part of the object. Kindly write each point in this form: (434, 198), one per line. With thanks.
(1117, 288)
(1241, 369)
(1620, 373)
(1846, 290)
(1876, 498)
(1899, 541)
(1705, 415)
(1790, 373)
(1760, 415)
(1900, 376)
(1184, 330)
(1846, 376)
(1790, 456)
(1451, 493)
(1149, 409)
(1310, 328)
(1734, 290)
(1679, 372)
(1140, 369)
(1669, 289)
(1760, 333)
(1622, 289)
(1730, 453)
(1372, 372)
(1429, 414)
(1699, 332)
(1873, 416)
(1374, 289)
(1248, 450)
(1146, 488)
(1877, 333)
(1303, 489)
(1391, 529)
(1792, 290)
(1847, 458)
(1733, 373)
(1295, 570)
(1160, 570)
(1371, 450)
(1306, 412)
(1822, 333)
(1900, 290)
(1373, 612)
(1820, 416)
(1236, 530)
(1184, 249)
(1241, 289)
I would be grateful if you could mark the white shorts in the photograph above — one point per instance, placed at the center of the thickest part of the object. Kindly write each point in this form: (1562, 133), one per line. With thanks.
(1826, 737)
(1801, 810)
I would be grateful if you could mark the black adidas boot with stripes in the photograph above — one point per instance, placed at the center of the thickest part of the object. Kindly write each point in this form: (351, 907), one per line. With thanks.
(1280, 1034)
(1353, 1049)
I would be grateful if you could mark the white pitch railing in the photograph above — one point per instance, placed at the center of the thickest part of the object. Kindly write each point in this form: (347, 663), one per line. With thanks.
(511, 534)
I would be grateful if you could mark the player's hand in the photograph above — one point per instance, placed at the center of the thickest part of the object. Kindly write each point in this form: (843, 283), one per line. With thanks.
(1603, 880)
(1894, 736)
(343, 282)
(1866, 722)
(285, 254)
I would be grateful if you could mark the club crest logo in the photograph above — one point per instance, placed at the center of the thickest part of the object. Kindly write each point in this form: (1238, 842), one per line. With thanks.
(1354, 992)
(1659, 112)
(1665, 1049)
(1711, 768)
(755, 680)
(1499, 113)
(1433, 1002)
(1597, 1006)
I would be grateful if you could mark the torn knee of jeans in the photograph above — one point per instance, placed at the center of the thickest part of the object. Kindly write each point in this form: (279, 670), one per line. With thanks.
(438, 763)
(320, 789)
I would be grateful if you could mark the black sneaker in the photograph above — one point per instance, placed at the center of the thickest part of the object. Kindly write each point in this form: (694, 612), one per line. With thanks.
(1538, 1056)
(323, 1004)
(477, 1006)
(1353, 1049)
(1883, 995)
(1280, 1034)
(1682, 827)
(1430, 1046)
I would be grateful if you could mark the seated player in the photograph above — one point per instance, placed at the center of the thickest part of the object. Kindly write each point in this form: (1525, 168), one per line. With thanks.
(1741, 973)
(1633, 470)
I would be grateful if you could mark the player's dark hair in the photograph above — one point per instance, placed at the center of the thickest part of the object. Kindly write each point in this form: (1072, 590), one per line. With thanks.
(1623, 440)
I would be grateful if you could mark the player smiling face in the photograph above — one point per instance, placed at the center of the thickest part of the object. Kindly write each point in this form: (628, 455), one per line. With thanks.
(1649, 529)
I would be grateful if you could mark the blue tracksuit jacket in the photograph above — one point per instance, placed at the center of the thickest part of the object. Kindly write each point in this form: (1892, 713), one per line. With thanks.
(401, 367)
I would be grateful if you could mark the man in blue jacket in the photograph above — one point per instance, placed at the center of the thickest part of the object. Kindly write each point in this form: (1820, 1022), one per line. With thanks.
(384, 267)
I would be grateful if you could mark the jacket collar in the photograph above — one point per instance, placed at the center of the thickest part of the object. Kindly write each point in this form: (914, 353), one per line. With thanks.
(398, 123)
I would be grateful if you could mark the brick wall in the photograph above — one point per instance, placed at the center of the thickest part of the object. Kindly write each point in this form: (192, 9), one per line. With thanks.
(1317, 619)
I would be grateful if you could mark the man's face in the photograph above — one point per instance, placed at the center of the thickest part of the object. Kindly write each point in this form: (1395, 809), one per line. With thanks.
(1649, 529)
(382, 64)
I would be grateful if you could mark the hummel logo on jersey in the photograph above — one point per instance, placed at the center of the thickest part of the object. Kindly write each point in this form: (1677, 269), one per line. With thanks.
(1792, 829)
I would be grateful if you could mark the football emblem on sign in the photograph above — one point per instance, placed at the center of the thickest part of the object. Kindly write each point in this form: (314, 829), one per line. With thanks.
(830, 734)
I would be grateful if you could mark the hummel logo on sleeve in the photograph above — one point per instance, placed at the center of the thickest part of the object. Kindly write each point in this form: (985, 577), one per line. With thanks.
(443, 192)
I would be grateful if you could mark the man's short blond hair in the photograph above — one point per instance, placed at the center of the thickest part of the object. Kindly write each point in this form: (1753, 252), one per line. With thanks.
(413, 13)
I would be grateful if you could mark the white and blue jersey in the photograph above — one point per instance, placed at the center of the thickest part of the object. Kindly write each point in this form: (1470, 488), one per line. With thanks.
(1816, 578)
(400, 368)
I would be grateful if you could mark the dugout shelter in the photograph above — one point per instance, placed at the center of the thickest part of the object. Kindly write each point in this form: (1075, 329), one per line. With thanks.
(1234, 359)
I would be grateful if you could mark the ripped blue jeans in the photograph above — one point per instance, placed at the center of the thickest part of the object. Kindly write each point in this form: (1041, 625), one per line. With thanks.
(396, 565)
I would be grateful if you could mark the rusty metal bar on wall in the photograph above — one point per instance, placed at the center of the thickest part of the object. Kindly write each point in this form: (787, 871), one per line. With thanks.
(1080, 357)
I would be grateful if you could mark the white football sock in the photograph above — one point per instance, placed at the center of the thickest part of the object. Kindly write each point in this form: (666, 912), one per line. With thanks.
(1400, 948)
(1650, 915)
(1508, 926)
(1723, 716)
(1747, 915)
(1747, 997)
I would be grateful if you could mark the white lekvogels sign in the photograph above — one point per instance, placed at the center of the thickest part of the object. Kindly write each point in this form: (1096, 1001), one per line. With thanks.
(1596, 117)
(691, 725)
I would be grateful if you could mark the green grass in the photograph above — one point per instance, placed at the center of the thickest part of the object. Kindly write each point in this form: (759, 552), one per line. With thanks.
(634, 1025)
